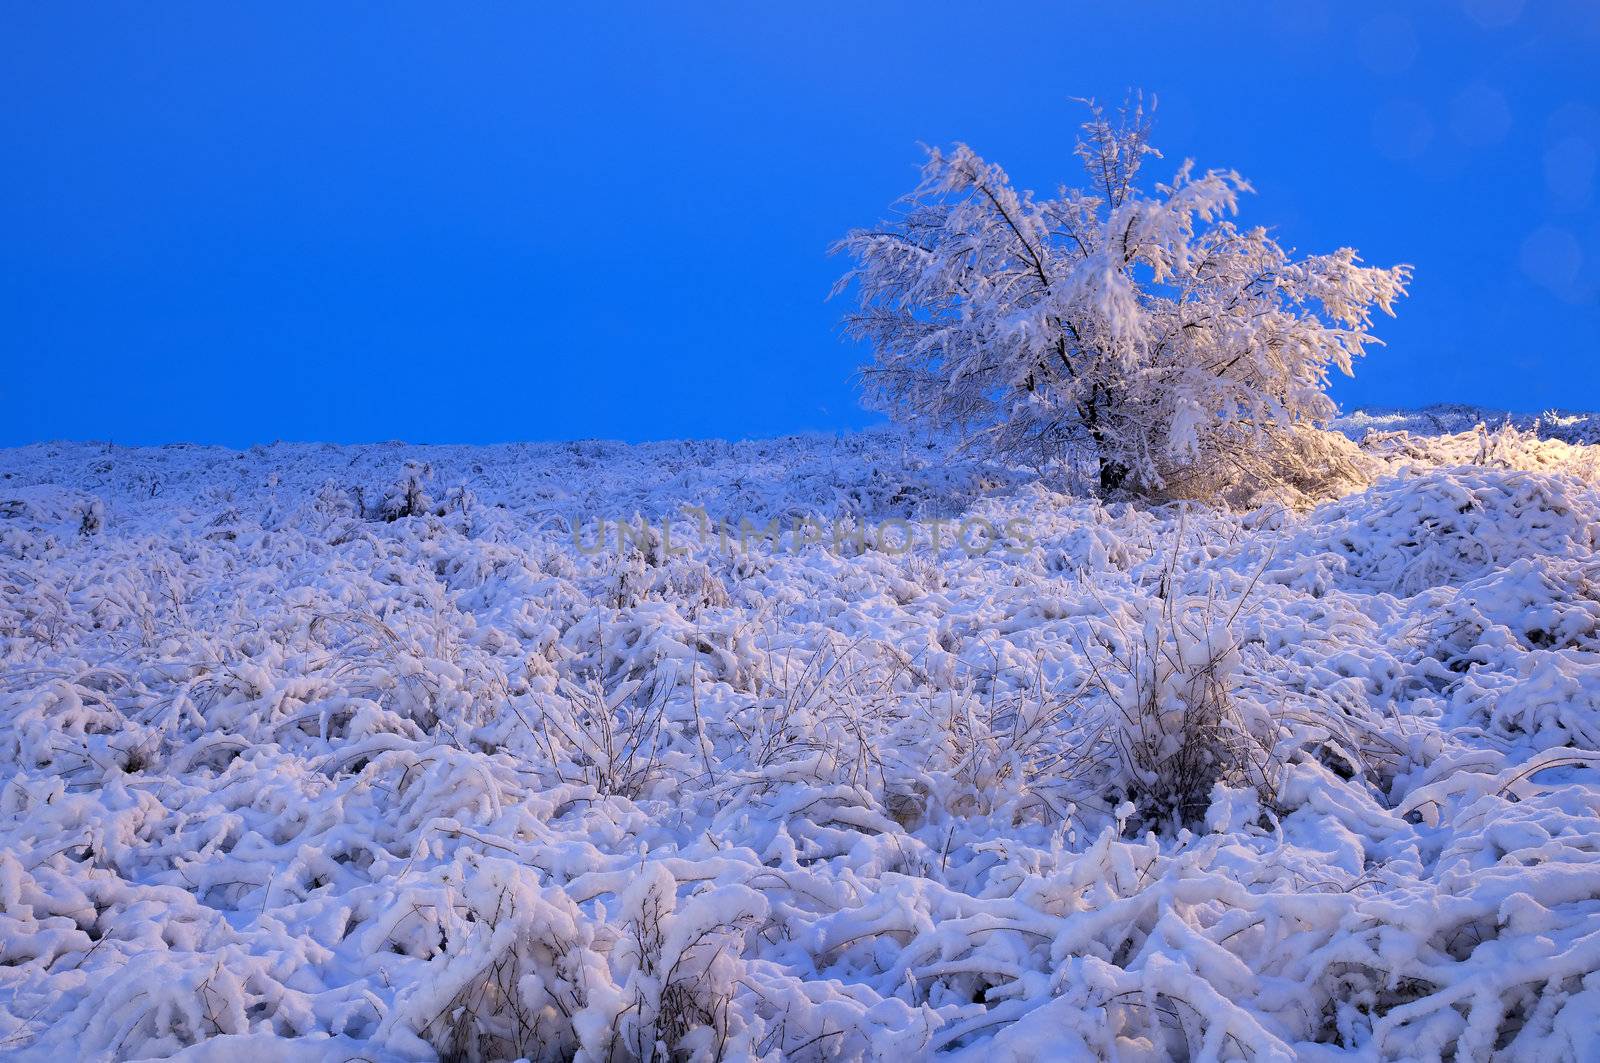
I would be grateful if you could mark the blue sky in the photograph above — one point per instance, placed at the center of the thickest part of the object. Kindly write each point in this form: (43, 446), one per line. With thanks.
(241, 223)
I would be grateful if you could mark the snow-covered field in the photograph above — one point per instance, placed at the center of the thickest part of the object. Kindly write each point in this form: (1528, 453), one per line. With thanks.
(283, 779)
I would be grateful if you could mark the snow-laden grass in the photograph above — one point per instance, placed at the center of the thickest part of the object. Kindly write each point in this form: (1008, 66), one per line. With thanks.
(285, 779)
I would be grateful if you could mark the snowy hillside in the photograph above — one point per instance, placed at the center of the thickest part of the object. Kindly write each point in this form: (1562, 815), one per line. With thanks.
(386, 750)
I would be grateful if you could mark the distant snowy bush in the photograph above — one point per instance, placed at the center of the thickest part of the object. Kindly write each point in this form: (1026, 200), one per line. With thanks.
(408, 497)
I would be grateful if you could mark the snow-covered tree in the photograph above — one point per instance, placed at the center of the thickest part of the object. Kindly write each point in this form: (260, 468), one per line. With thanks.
(1141, 327)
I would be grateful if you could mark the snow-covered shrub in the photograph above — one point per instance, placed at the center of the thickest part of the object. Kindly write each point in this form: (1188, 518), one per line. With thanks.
(513, 968)
(686, 581)
(94, 518)
(972, 748)
(1177, 725)
(334, 502)
(1140, 327)
(610, 740)
(1258, 465)
(822, 715)
(677, 964)
(408, 496)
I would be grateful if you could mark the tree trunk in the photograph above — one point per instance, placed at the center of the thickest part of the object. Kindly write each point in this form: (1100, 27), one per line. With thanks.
(1112, 475)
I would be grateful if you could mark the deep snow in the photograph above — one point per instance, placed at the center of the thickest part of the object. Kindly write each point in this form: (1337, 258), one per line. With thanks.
(278, 767)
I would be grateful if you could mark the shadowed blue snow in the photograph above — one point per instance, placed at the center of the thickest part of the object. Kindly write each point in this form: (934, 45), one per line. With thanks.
(511, 223)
